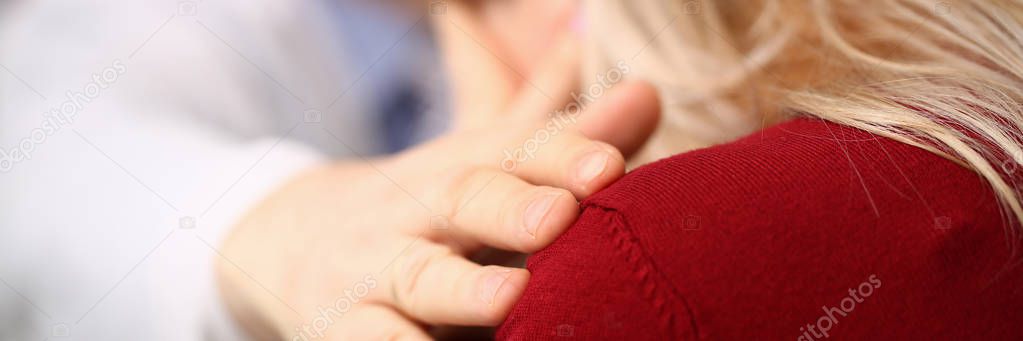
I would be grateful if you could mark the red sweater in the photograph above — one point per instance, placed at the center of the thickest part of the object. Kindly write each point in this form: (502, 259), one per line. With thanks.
(803, 231)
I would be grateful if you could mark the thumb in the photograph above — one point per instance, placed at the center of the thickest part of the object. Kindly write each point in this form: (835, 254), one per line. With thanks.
(624, 118)
(482, 83)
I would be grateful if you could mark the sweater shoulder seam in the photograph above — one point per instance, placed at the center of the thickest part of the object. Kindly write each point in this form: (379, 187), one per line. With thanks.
(652, 279)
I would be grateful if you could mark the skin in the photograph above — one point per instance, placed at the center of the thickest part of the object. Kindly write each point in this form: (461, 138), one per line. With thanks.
(381, 247)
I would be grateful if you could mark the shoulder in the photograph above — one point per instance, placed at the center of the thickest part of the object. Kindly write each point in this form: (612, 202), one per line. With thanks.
(800, 164)
(753, 237)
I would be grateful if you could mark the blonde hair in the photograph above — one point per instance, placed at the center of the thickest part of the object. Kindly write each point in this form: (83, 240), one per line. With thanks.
(946, 76)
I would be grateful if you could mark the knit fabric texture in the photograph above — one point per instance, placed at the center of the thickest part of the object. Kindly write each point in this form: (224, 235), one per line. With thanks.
(803, 231)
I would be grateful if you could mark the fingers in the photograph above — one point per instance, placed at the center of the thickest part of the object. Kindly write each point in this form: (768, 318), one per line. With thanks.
(561, 157)
(550, 86)
(481, 82)
(505, 212)
(585, 152)
(486, 81)
(625, 118)
(373, 322)
(431, 284)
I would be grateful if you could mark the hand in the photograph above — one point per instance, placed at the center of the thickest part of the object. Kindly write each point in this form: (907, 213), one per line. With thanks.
(377, 249)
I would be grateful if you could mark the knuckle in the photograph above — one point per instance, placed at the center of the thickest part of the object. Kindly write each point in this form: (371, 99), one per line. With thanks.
(508, 212)
(407, 283)
(465, 186)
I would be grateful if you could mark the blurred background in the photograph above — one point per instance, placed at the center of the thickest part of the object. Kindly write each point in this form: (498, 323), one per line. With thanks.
(133, 132)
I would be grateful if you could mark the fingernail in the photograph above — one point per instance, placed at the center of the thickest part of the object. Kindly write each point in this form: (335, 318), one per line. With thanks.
(492, 283)
(537, 210)
(591, 166)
